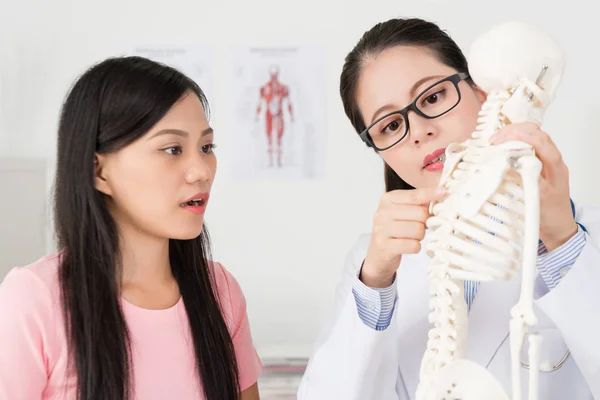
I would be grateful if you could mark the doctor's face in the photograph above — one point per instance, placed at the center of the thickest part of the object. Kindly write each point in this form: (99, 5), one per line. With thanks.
(391, 81)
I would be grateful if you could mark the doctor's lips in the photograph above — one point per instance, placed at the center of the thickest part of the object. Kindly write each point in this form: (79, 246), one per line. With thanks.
(196, 203)
(435, 160)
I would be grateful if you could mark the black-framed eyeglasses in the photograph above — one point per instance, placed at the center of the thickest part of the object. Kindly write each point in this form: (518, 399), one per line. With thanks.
(433, 102)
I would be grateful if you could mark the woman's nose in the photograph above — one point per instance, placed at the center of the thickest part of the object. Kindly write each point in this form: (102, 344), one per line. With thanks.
(200, 170)
(420, 129)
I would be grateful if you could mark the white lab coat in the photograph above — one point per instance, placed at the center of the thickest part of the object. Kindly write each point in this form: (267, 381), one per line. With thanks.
(352, 361)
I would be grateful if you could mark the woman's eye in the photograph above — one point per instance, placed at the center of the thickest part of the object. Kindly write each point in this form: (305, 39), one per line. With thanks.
(174, 150)
(208, 148)
(392, 126)
(433, 98)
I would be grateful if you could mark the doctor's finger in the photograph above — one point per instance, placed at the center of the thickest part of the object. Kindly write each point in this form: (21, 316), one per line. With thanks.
(542, 144)
(512, 128)
(415, 196)
(406, 212)
(405, 246)
(405, 230)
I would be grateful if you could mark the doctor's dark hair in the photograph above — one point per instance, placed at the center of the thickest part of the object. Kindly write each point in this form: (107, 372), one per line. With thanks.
(111, 105)
(412, 32)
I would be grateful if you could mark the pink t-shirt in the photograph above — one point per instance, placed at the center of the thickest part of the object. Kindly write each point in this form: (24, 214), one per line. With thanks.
(33, 347)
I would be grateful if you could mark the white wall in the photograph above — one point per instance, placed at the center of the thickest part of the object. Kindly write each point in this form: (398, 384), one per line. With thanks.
(24, 207)
(287, 250)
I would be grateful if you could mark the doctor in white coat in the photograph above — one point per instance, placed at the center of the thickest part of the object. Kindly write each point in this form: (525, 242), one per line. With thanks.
(406, 90)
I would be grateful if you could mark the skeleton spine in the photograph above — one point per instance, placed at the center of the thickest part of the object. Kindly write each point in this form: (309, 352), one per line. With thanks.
(449, 313)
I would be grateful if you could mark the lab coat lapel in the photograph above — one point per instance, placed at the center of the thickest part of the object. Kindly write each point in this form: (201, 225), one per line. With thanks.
(489, 318)
(413, 310)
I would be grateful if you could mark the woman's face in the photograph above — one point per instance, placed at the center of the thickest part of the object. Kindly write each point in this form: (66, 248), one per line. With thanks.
(151, 181)
(393, 80)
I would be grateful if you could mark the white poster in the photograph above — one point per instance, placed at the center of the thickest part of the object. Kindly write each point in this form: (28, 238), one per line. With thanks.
(195, 61)
(278, 123)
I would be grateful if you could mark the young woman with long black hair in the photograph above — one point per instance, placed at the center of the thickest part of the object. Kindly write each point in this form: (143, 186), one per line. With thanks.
(131, 306)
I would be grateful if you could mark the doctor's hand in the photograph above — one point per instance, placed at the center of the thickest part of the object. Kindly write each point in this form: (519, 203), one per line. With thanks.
(557, 224)
(398, 228)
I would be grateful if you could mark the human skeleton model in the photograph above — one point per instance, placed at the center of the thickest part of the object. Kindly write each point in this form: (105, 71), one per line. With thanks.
(487, 226)
(273, 93)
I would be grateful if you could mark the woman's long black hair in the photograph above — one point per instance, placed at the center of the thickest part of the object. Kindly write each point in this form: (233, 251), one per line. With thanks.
(110, 106)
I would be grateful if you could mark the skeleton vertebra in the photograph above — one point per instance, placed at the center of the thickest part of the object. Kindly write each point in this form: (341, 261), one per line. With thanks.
(487, 227)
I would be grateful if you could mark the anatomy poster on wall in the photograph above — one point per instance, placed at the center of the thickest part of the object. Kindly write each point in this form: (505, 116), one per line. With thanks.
(278, 123)
(195, 61)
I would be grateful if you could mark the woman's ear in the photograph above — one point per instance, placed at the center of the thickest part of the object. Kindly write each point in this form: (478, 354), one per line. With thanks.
(480, 93)
(100, 179)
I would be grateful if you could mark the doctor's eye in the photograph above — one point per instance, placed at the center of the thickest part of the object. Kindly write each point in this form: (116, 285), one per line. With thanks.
(433, 98)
